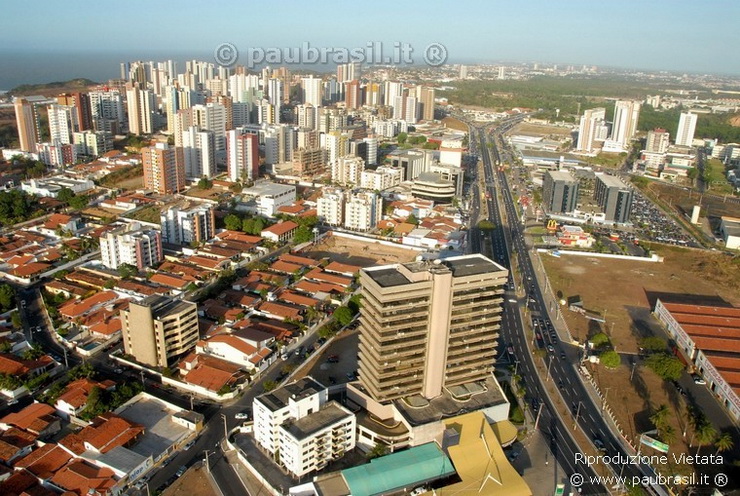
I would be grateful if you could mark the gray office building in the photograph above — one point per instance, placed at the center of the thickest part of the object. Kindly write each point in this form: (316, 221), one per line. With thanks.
(614, 197)
(559, 192)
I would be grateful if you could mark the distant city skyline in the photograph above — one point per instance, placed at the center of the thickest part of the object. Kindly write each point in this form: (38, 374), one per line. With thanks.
(658, 35)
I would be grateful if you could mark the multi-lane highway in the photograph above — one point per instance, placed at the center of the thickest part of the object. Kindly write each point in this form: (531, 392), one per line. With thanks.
(560, 359)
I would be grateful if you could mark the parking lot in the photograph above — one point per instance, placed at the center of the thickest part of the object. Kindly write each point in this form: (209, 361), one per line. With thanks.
(652, 224)
(343, 350)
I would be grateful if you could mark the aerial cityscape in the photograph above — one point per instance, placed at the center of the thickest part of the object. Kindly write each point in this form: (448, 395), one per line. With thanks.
(314, 250)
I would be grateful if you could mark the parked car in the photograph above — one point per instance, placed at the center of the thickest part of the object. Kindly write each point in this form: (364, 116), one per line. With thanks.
(333, 359)
(242, 416)
(698, 379)
(181, 471)
(189, 445)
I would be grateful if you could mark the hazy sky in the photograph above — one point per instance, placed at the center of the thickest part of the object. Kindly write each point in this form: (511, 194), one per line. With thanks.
(678, 35)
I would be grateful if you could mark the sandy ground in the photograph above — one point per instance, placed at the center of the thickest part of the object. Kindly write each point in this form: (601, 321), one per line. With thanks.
(362, 254)
(540, 130)
(192, 483)
(624, 293)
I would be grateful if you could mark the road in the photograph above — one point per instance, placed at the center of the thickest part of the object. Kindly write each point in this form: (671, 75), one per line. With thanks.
(562, 360)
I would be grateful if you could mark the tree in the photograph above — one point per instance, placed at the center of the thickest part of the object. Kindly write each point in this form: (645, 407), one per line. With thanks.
(486, 225)
(653, 344)
(411, 219)
(205, 183)
(302, 235)
(248, 225)
(79, 202)
(377, 451)
(724, 442)
(65, 194)
(269, 386)
(610, 359)
(233, 222)
(659, 418)
(15, 319)
(224, 389)
(692, 174)
(9, 382)
(401, 138)
(343, 315)
(259, 224)
(127, 270)
(705, 435)
(7, 297)
(355, 303)
(666, 366)
(599, 340)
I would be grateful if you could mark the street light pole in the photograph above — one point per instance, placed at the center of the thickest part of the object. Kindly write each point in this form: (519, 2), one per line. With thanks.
(537, 420)
(603, 403)
(578, 413)
(141, 373)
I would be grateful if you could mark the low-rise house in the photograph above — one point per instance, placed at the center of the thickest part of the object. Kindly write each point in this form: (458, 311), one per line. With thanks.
(234, 349)
(210, 373)
(74, 398)
(282, 232)
(38, 419)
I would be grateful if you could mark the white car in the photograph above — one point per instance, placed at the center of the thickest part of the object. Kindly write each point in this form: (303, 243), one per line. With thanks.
(241, 416)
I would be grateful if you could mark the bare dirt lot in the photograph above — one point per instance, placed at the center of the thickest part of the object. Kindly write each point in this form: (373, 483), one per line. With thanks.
(192, 483)
(624, 292)
(540, 130)
(360, 253)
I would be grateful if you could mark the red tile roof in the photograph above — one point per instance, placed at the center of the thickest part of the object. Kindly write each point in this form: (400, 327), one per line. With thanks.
(319, 275)
(340, 268)
(77, 308)
(296, 259)
(44, 461)
(34, 418)
(280, 310)
(76, 392)
(29, 269)
(289, 296)
(81, 478)
(280, 228)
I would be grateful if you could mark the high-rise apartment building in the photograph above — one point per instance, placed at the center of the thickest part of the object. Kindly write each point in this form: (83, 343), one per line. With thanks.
(158, 329)
(164, 168)
(614, 197)
(242, 155)
(330, 206)
(362, 210)
(592, 121)
(27, 121)
(140, 106)
(106, 107)
(559, 192)
(352, 95)
(308, 162)
(428, 326)
(83, 111)
(347, 170)
(686, 129)
(425, 98)
(131, 245)
(199, 153)
(62, 123)
(184, 226)
(626, 115)
(311, 89)
(658, 141)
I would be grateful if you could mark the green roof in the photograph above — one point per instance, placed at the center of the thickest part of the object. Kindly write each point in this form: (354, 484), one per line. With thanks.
(398, 470)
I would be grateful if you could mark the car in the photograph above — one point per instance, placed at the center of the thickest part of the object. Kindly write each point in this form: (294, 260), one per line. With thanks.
(12, 402)
(284, 357)
(189, 445)
(181, 471)
(538, 335)
(510, 350)
(333, 359)
(351, 376)
(561, 385)
(23, 303)
(299, 351)
(562, 355)
(332, 379)
(321, 341)
(118, 371)
(550, 348)
(242, 416)
(599, 443)
(698, 379)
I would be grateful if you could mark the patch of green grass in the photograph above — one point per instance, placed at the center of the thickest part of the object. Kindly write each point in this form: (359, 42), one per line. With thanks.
(715, 171)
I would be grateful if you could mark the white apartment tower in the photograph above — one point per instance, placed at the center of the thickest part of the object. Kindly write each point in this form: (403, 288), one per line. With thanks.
(330, 206)
(363, 210)
(199, 153)
(591, 121)
(686, 129)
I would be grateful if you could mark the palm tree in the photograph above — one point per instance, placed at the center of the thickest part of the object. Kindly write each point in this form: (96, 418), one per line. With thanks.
(659, 418)
(724, 442)
(705, 435)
